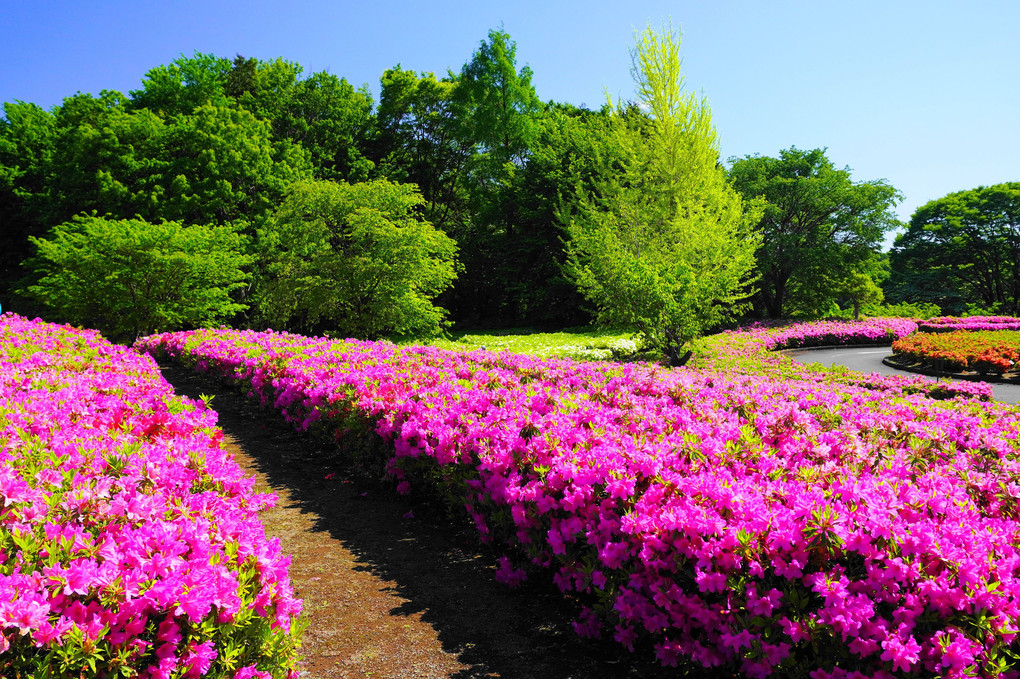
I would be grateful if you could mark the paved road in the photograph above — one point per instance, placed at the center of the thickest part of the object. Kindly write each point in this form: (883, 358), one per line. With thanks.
(869, 360)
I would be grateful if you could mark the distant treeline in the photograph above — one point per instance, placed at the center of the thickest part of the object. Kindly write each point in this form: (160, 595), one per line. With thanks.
(270, 160)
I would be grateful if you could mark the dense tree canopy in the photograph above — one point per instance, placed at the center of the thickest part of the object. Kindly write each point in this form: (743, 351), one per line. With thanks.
(962, 248)
(26, 146)
(418, 140)
(576, 151)
(129, 278)
(497, 112)
(544, 203)
(819, 227)
(352, 257)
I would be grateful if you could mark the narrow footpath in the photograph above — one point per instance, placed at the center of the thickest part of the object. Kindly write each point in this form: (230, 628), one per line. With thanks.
(388, 594)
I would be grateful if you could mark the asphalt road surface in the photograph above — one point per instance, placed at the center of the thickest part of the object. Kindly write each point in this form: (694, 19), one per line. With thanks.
(869, 360)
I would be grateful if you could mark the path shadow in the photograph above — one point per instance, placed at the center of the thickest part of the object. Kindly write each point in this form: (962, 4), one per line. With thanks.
(436, 564)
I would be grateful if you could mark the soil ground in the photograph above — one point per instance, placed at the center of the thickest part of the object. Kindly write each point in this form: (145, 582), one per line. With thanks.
(391, 595)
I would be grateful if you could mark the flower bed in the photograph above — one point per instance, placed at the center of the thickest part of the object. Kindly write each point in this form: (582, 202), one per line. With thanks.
(970, 323)
(129, 541)
(754, 351)
(745, 523)
(989, 352)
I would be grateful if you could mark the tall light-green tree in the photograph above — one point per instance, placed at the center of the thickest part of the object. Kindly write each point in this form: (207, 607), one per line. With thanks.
(665, 247)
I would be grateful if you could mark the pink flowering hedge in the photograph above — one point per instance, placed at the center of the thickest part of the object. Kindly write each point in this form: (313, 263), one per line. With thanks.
(129, 540)
(753, 524)
(969, 323)
(754, 351)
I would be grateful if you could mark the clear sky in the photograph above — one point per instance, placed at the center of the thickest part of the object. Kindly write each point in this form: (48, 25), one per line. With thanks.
(924, 94)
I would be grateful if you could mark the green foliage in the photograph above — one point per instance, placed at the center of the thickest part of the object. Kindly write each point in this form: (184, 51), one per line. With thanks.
(497, 105)
(207, 140)
(465, 140)
(664, 247)
(101, 159)
(962, 249)
(859, 288)
(26, 140)
(323, 114)
(498, 114)
(26, 144)
(857, 291)
(819, 228)
(182, 86)
(354, 258)
(332, 121)
(222, 166)
(263, 88)
(979, 310)
(129, 278)
(574, 150)
(418, 142)
(214, 165)
(919, 310)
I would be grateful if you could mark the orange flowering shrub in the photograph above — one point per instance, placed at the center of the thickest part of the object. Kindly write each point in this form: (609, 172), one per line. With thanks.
(989, 352)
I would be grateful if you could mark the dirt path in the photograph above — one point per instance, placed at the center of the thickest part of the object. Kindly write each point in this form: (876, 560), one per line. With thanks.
(388, 595)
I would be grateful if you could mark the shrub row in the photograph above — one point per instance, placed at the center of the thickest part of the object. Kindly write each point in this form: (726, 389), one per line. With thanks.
(972, 323)
(754, 351)
(129, 541)
(744, 523)
(989, 352)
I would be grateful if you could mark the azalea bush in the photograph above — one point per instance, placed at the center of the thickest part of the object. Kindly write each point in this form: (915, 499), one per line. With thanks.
(750, 523)
(129, 540)
(954, 324)
(754, 351)
(994, 351)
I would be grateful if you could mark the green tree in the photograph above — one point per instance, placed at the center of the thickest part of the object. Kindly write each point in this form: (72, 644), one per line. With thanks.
(418, 142)
(222, 166)
(963, 248)
(574, 149)
(499, 117)
(666, 248)
(464, 139)
(324, 114)
(105, 159)
(215, 165)
(263, 88)
(498, 106)
(332, 121)
(818, 228)
(26, 145)
(860, 289)
(354, 258)
(130, 277)
(182, 86)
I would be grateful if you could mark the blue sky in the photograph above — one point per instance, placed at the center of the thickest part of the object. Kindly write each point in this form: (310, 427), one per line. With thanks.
(923, 94)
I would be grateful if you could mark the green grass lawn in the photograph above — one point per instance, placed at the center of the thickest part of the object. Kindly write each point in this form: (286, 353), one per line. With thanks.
(577, 343)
